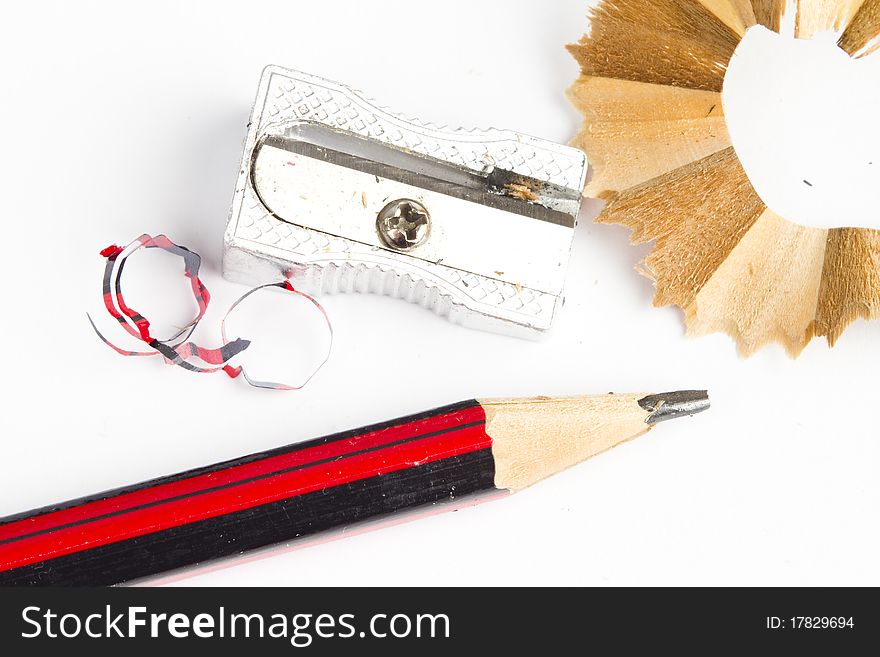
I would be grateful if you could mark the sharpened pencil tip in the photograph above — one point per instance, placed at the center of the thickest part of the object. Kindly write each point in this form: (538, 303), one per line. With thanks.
(670, 405)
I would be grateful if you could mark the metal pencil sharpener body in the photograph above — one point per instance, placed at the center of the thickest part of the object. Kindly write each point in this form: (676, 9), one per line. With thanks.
(339, 195)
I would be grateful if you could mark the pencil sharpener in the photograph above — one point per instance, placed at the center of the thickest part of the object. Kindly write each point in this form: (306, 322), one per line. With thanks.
(339, 195)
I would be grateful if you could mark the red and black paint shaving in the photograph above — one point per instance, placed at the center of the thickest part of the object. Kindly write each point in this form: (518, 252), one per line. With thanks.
(177, 349)
(252, 502)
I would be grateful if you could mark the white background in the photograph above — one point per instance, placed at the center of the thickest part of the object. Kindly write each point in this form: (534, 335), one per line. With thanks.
(117, 119)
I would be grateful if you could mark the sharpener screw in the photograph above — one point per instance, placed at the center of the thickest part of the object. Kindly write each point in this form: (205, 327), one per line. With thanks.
(404, 224)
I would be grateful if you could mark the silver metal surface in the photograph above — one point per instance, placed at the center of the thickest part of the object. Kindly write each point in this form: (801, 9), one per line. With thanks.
(404, 224)
(323, 177)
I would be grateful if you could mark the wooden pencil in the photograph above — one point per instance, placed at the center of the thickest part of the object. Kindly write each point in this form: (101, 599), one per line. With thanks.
(449, 453)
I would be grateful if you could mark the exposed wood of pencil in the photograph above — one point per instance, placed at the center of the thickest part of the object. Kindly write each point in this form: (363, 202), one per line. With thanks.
(696, 215)
(766, 290)
(733, 265)
(769, 13)
(850, 281)
(667, 42)
(629, 134)
(738, 15)
(535, 438)
(861, 36)
(815, 16)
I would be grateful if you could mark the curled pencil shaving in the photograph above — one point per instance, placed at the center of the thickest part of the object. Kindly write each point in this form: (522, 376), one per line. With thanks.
(652, 75)
(178, 349)
(284, 285)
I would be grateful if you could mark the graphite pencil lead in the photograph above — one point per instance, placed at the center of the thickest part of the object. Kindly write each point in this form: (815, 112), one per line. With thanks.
(670, 405)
